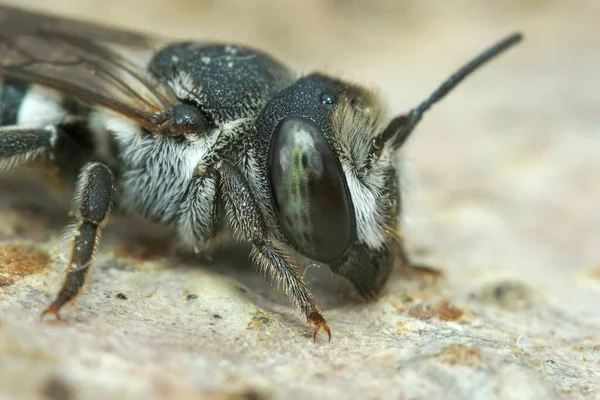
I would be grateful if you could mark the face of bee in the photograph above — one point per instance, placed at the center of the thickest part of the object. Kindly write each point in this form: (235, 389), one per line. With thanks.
(334, 197)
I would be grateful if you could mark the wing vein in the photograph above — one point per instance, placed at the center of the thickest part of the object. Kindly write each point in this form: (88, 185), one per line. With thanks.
(86, 61)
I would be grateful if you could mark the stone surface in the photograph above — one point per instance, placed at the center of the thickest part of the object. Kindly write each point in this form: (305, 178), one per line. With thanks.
(502, 194)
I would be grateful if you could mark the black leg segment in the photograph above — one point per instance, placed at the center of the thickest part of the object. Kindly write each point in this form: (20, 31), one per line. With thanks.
(92, 203)
(19, 145)
(248, 223)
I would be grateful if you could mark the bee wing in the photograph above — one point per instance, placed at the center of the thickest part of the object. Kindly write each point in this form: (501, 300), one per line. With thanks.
(98, 65)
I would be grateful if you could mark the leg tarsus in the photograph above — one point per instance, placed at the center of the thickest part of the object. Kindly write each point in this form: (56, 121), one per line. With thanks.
(415, 270)
(248, 221)
(270, 260)
(52, 309)
(92, 203)
(315, 318)
(422, 270)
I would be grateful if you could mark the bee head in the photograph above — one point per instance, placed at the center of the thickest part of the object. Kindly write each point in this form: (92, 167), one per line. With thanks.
(331, 198)
(332, 173)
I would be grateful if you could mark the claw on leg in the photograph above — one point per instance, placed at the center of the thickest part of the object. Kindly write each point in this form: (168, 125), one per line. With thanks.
(69, 291)
(315, 318)
(52, 309)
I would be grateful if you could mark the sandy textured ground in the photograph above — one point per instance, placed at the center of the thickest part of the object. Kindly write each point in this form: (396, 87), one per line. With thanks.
(502, 188)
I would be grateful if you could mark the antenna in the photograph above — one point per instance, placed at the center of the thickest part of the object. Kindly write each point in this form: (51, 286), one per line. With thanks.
(402, 126)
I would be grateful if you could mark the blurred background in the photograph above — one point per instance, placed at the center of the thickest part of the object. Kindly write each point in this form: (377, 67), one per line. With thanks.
(501, 179)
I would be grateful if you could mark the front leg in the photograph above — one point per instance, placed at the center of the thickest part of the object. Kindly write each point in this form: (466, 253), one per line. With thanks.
(412, 269)
(248, 222)
(92, 203)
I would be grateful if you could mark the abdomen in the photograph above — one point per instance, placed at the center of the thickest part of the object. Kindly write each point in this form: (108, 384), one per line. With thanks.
(35, 106)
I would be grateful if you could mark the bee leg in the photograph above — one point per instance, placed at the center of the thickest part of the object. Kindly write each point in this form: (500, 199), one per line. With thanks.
(415, 270)
(199, 213)
(91, 205)
(248, 221)
(19, 145)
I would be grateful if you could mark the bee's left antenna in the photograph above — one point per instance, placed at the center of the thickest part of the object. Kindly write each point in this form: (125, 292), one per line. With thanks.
(400, 128)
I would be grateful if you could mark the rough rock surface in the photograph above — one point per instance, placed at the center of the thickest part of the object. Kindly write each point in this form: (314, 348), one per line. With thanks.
(502, 189)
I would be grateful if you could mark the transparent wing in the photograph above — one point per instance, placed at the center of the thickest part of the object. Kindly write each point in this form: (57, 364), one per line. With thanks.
(101, 66)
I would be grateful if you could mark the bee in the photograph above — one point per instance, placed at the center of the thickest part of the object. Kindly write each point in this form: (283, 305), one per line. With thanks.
(217, 140)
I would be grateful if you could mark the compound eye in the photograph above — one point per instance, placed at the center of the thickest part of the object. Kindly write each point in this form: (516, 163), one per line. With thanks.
(309, 191)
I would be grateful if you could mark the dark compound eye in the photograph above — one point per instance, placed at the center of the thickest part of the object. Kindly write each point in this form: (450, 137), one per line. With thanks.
(309, 191)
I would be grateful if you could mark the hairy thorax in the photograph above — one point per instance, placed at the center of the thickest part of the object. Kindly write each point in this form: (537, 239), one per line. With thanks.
(154, 171)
